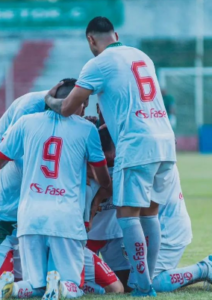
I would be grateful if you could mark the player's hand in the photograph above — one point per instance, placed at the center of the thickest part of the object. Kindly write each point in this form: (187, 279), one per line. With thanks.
(92, 119)
(53, 91)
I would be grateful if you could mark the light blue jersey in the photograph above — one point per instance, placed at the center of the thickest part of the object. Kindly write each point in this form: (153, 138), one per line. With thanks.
(55, 151)
(132, 105)
(27, 104)
(10, 187)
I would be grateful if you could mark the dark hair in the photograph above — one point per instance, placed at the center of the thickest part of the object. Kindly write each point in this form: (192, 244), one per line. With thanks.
(106, 141)
(99, 24)
(65, 89)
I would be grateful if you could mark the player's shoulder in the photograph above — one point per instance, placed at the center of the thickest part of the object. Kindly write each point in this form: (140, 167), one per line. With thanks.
(34, 117)
(82, 121)
(85, 126)
(33, 95)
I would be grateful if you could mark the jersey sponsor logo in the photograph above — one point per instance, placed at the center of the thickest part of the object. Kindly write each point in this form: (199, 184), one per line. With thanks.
(24, 293)
(141, 267)
(152, 114)
(181, 277)
(50, 190)
(140, 256)
(35, 187)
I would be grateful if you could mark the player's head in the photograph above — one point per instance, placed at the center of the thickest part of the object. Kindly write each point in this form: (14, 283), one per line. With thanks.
(64, 90)
(100, 33)
(107, 145)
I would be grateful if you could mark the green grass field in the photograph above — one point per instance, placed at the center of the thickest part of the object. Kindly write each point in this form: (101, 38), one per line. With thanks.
(196, 179)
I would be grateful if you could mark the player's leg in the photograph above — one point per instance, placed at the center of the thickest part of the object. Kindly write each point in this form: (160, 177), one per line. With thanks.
(131, 191)
(149, 216)
(67, 258)
(151, 228)
(33, 255)
(169, 278)
(7, 242)
(113, 254)
(99, 278)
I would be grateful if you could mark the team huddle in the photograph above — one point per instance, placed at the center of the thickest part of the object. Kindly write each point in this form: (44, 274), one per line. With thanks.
(93, 205)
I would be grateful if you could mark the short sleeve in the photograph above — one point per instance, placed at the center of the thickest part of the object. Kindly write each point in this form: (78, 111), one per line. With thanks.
(95, 155)
(91, 78)
(12, 144)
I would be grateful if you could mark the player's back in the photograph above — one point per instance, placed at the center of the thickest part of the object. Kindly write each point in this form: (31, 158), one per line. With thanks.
(55, 151)
(27, 104)
(6, 119)
(132, 105)
(10, 187)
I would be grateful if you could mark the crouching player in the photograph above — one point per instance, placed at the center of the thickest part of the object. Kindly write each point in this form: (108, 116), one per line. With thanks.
(96, 280)
(10, 185)
(50, 220)
(176, 234)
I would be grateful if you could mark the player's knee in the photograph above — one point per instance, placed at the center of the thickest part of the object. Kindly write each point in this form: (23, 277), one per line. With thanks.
(115, 287)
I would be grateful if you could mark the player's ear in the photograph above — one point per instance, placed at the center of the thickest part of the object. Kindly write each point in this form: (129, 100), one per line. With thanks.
(117, 36)
(91, 40)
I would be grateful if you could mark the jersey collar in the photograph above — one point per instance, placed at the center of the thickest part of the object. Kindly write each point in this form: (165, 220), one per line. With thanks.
(117, 44)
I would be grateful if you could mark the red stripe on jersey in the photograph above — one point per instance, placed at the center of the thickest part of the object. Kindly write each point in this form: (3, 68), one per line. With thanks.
(99, 163)
(4, 157)
(77, 85)
(87, 224)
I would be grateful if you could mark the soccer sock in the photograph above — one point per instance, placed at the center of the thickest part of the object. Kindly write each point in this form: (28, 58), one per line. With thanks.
(23, 289)
(168, 281)
(135, 246)
(70, 290)
(151, 229)
(92, 288)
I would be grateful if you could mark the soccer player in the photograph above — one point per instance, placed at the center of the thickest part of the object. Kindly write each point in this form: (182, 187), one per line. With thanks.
(10, 181)
(132, 106)
(105, 236)
(10, 185)
(99, 278)
(50, 214)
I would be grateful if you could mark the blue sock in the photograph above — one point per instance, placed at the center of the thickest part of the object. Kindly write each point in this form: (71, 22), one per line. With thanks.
(151, 229)
(135, 246)
(168, 281)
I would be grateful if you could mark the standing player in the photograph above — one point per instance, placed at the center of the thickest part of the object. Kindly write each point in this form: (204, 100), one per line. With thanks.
(50, 210)
(176, 233)
(132, 106)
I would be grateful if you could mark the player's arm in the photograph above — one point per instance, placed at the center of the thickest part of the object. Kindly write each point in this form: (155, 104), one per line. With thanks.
(12, 145)
(100, 173)
(102, 194)
(90, 82)
(96, 158)
(70, 104)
